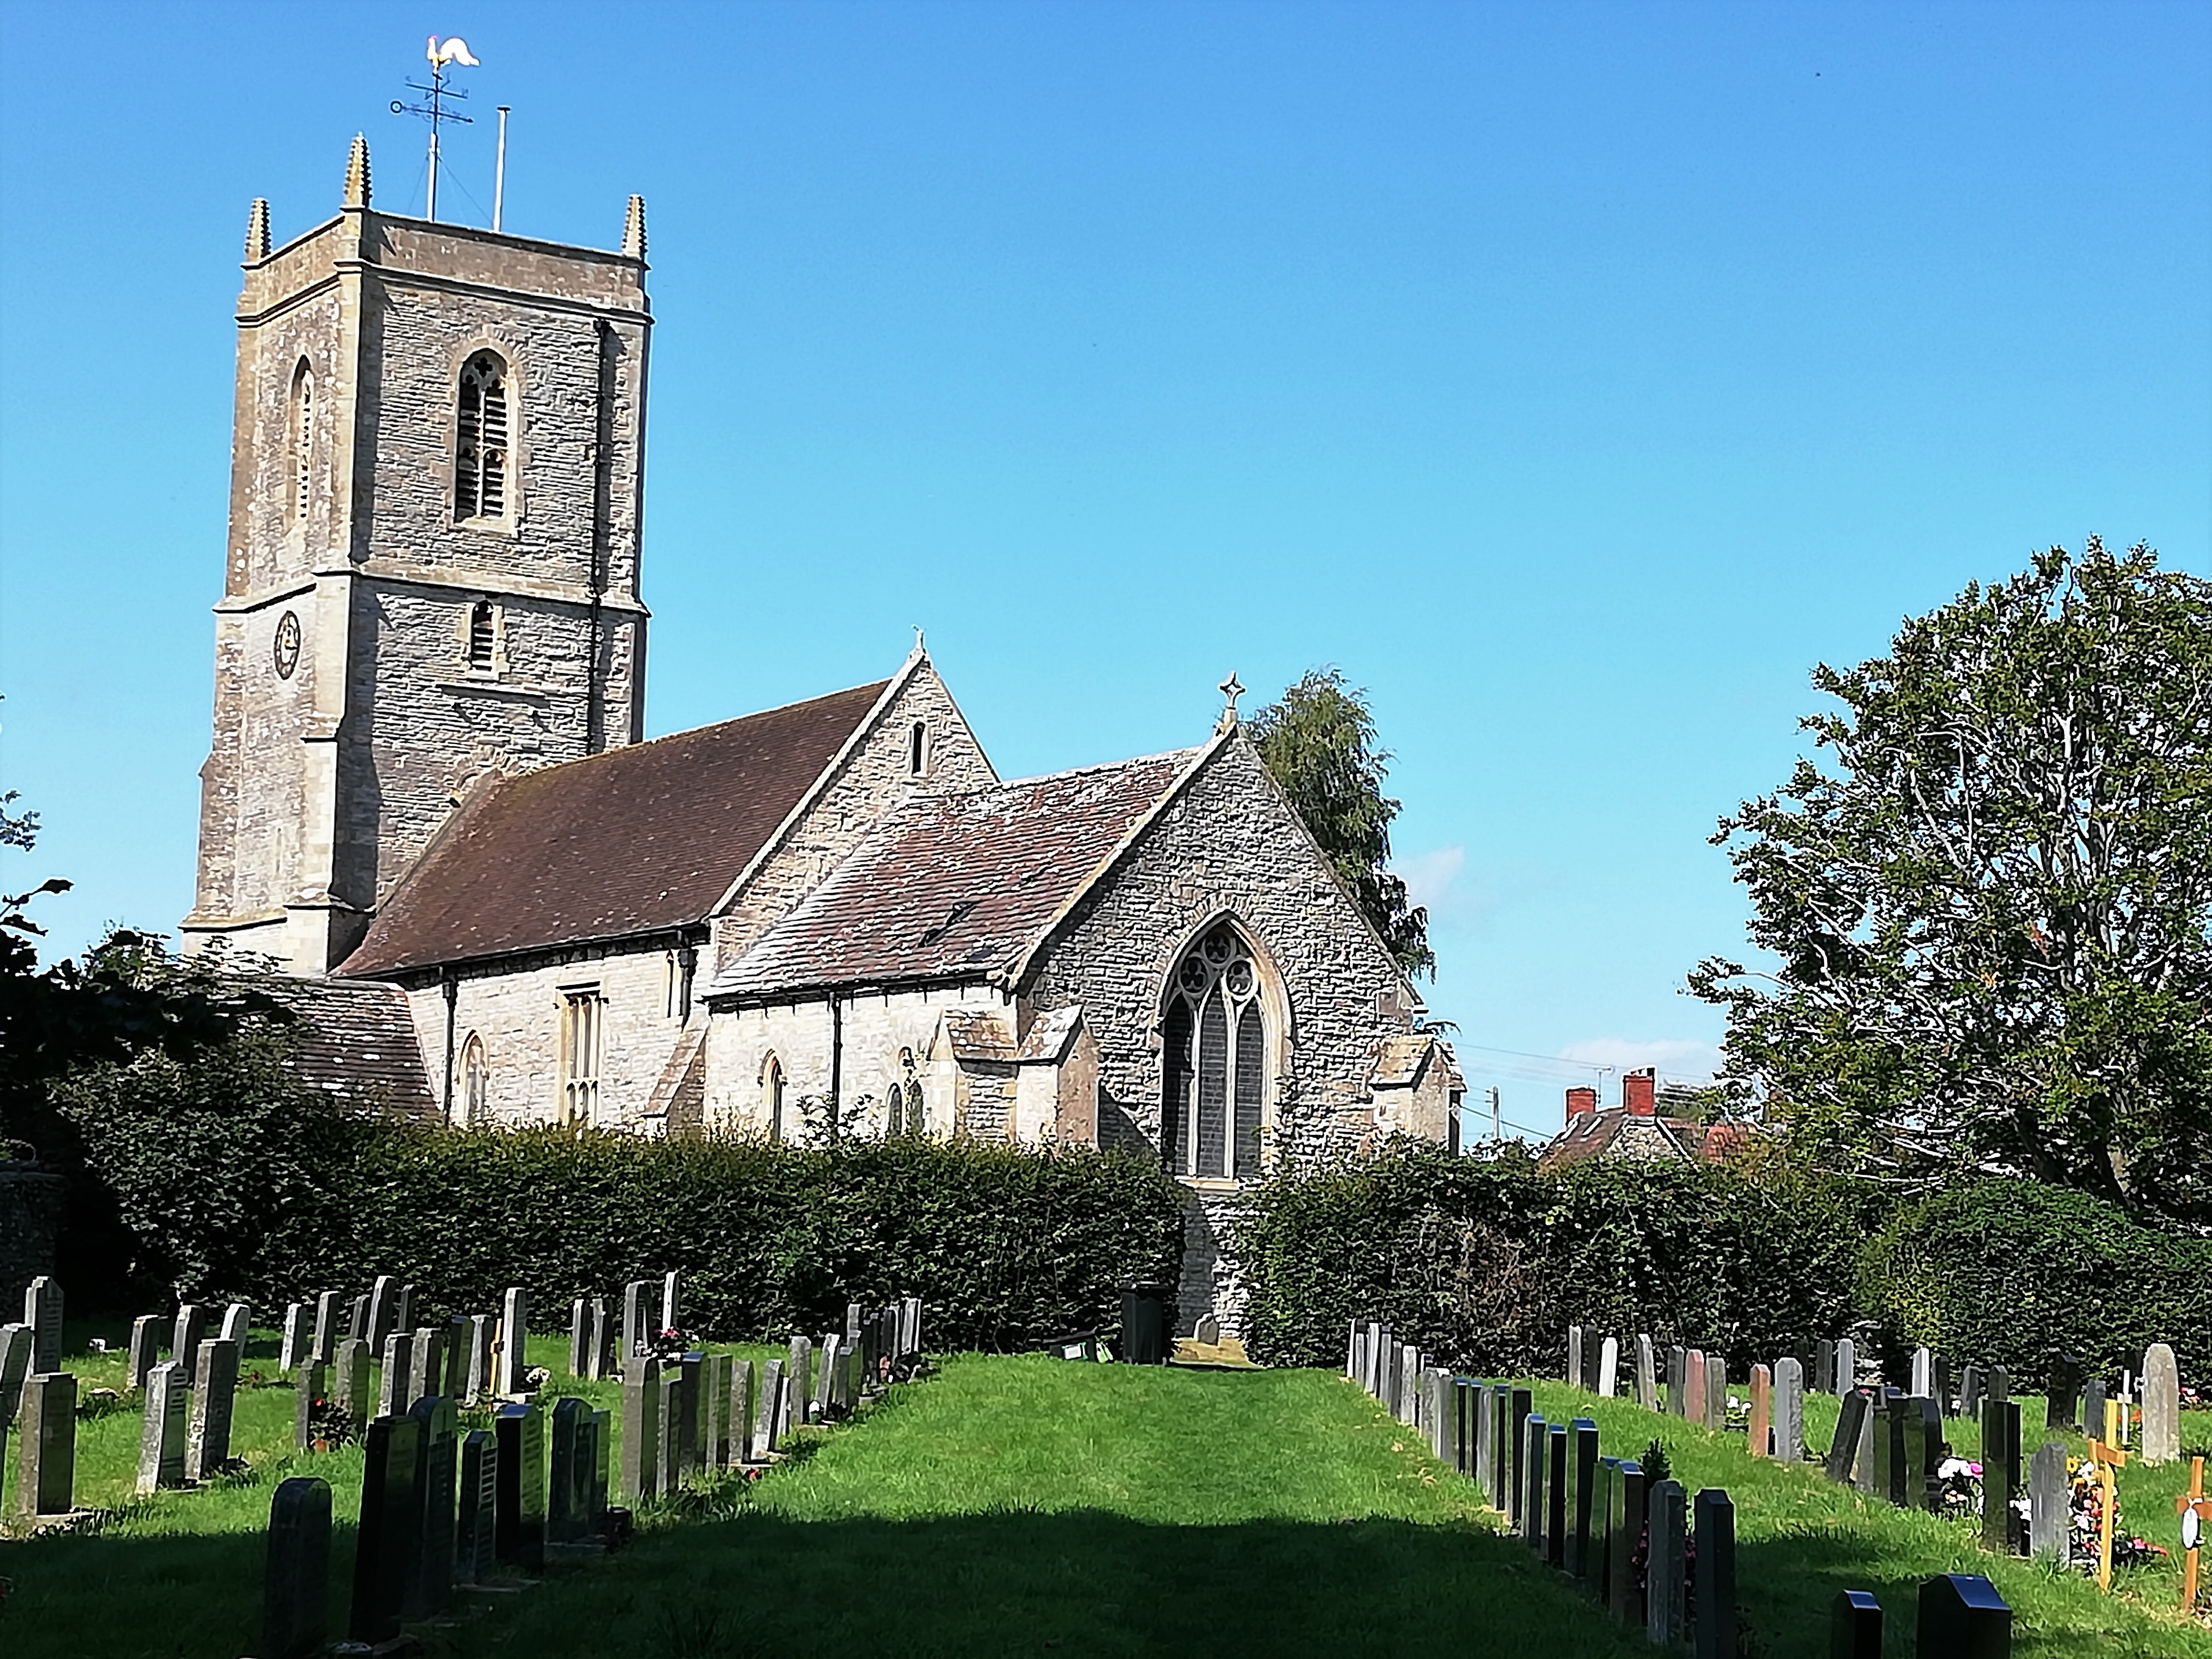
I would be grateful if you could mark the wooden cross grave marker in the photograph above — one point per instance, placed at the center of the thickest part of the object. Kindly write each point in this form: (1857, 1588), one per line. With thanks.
(2195, 1510)
(2107, 1457)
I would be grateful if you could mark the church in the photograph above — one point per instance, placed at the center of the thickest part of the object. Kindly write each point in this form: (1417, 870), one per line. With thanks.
(430, 799)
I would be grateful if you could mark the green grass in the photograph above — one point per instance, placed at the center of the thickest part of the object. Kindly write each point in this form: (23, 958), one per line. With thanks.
(1029, 1505)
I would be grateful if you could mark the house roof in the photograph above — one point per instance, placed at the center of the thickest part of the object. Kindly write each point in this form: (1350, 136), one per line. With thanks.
(1618, 1133)
(357, 1042)
(630, 842)
(957, 887)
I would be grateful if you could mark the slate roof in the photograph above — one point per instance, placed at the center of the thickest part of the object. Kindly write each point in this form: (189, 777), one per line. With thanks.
(631, 842)
(358, 1042)
(1616, 1134)
(957, 887)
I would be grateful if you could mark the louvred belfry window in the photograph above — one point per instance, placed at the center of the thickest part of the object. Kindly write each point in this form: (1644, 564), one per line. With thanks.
(1213, 1069)
(303, 438)
(480, 446)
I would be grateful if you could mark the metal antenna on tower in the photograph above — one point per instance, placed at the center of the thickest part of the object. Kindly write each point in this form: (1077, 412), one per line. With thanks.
(454, 50)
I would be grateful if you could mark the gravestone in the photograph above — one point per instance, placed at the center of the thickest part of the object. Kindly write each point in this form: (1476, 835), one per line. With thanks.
(1759, 1433)
(1678, 1379)
(483, 1338)
(580, 1337)
(606, 1339)
(295, 1583)
(402, 1308)
(1534, 1432)
(2162, 1405)
(825, 1389)
(1923, 1375)
(215, 1393)
(1924, 1452)
(1717, 1392)
(1608, 1367)
(603, 1447)
(1850, 1431)
(186, 1336)
(910, 1326)
(1497, 1440)
(1573, 1371)
(437, 1439)
(1997, 1383)
(1520, 1406)
(1583, 1489)
(350, 1384)
(1350, 1346)
(359, 1318)
(637, 1316)
(568, 1493)
(2062, 1391)
(1963, 1616)
(293, 1351)
(236, 1318)
(1970, 1390)
(45, 1456)
(1647, 1375)
(325, 1344)
(2093, 1409)
(311, 1394)
(391, 1399)
(518, 1522)
(2048, 1509)
(474, 1528)
(669, 1311)
(1847, 1363)
(1716, 1629)
(1666, 1571)
(1855, 1626)
(42, 1312)
(641, 1436)
(1823, 1367)
(145, 1348)
(2000, 1474)
(774, 1405)
(514, 1336)
(691, 1374)
(1943, 1392)
(161, 1440)
(744, 1382)
(387, 1546)
(1626, 1526)
(17, 1342)
(1556, 1475)
(1693, 1386)
(1597, 1549)
(1788, 1410)
(426, 1365)
(669, 1453)
(383, 1312)
(714, 1410)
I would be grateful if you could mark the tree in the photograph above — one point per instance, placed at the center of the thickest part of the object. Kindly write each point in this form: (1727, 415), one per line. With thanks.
(1992, 914)
(1318, 741)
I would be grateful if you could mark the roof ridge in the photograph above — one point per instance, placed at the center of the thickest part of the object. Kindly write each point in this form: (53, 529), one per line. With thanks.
(1075, 772)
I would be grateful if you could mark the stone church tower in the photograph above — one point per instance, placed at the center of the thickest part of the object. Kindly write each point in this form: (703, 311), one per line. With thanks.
(437, 466)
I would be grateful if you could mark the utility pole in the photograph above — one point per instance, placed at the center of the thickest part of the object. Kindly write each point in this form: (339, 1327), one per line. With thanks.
(1496, 1132)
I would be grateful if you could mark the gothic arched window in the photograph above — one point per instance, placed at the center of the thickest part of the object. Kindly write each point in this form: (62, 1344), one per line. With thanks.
(1213, 1060)
(303, 438)
(484, 636)
(480, 440)
(475, 1083)
(904, 1113)
(772, 1097)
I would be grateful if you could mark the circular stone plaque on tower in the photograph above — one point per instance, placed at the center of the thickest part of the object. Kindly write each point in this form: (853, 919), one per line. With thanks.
(288, 645)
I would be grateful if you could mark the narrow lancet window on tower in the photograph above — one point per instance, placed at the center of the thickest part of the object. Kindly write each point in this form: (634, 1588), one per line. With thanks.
(484, 637)
(480, 440)
(303, 438)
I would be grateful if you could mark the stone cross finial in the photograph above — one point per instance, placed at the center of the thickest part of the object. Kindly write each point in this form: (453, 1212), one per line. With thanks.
(1231, 690)
(356, 184)
(256, 230)
(634, 229)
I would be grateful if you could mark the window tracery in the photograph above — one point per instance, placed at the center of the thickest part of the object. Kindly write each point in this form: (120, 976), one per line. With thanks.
(1213, 1060)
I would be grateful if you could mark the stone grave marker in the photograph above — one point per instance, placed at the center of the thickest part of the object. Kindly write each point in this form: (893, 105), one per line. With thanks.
(161, 1440)
(824, 1389)
(1678, 1380)
(2047, 1503)
(324, 1345)
(1758, 1435)
(1625, 1525)
(1997, 1383)
(669, 1453)
(388, 1546)
(236, 1320)
(17, 1343)
(1854, 1627)
(1573, 1371)
(1597, 1549)
(1788, 1410)
(2001, 1474)
(402, 1308)
(641, 1436)
(1557, 1474)
(1535, 1433)
(358, 1318)
(207, 1437)
(1608, 1367)
(1963, 1616)
(145, 1347)
(2162, 1405)
(1582, 1486)
(1923, 1451)
(1667, 1574)
(1970, 1390)
(669, 1312)
(453, 1343)
(1497, 1434)
(1717, 1392)
(568, 1493)
(519, 1522)
(42, 1312)
(514, 1363)
(1847, 1363)
(483, 1341)
(1351, 1348)
(1944, 1396)
(391, 1397)
(603, 1447)
(2064, 1392)
(437, 1439)
(637, 1316)
(1850, 1431)
(294, 1347)
(714, 1410)
(580, 1337)
(1694, 1376)
(310, 1389)
(910, 1326)
(1716, 1629)
(426, 1365)
(350, 1384)
(474, 1533)
(46, 1455)
(185, 1334)
(295, 1583)
(1923, 1375)
(1647, 1376)
(2093, 1397)
(384, 1317)
(1593, 1358)
(1823, 1367)
(744, 1410)
(1521, 1406)
(586, 1473)
(691, 1376)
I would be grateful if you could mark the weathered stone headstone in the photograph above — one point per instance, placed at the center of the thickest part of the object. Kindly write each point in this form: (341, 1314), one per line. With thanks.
(1854, 1627)
(1970, 1390)
(743, 1386)
(483, 1340)
(1716, 1629)
(2162, 1405)
(186, 1336)
(514, 1337)
(1717, 1392)
(215, 1392)
(474, 1535)
(1924, 1374)
(1678, 1380)
(1557, 1473)
(1963, 1616)
(1997, 1383)
(161, 1441)
(2093, 1409)
(361, 1318)
(145, 1348)
(455, 1345)
(2000, 1474)
(42, 1312)
(327, 1336)
(1625, 1525)
(296, 1585)
(568, 1493)
(580, 1337)
(350, 1384)
(236, 1320)
(637, 1320)
(1847, 1364)
(1582, 1488)
(1788, 1410)
(392, 1396)
(294, 1350)
(311, 1394)
(520, 1524)
(1823, 1367)
(384, 1316)
(2062, 1392)
(17, 1343)
(1850, 1429)
(2047, 1503)
(691, 1374)
(388, 1547)
(426, 1365)
(910, 1326)
(1608, 1367)
(1598, 1551)
(45, 1456)
(669, 1453)
(1521, 1404)
(436, 1443)
(641, 1435)
(602, 1448)
(1759, 1433)
(1923, 1442)
(1647, 1375)
(1666, 1580)
(824, 1384)
(1530, 1520)
(1574, 1371)
(772, 1387)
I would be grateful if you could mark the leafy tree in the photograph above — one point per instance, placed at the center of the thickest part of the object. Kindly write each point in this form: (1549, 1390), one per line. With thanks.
(1318, 740)
(1992, 912)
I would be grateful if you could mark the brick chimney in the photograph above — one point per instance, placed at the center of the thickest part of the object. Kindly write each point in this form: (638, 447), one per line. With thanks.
(1580, 1101)
(1636, 1092)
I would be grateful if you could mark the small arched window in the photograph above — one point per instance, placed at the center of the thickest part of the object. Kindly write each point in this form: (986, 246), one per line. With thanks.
(1213, 1060)
(904, 1113)
(303, 439)
(772, 1097)
(484, 636)
(475, 1083)
(917, 749)
(480, 440)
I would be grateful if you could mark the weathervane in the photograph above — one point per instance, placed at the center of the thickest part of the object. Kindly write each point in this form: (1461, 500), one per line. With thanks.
(454, 50)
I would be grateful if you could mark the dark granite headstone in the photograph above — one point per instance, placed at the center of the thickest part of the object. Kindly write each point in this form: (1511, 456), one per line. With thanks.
(296, 1585)
(2092, 1408)
(519, 1526)
(1963, 1616)
(1715, 1632)
(1556, 1480)
(637, 1320)
(350, 1384)
(1498, 1473)
(2064, 1390)
(641, 1436)
(1854, 1630)
(1530, 1522)
(1997, 1383)
(1823, 1367)
(311, 1394)
(668, 1453)
(1581, 1486)
(1666, 1580)
(692, 1370)
(603, 1434)
(475, 1529)
(1850, 1426)
(2000, 1474)
(1924, 1452)
(1624, 1593)
(145, 1347)
(745, 1387)
(388, 1545)
(568, 1493)
(436, 1443)
(580, 1337)
(1597, 1551)
(1970, 1390)
(512, 1365)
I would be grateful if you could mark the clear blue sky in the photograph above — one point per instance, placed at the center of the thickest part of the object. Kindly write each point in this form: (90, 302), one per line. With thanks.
(1574, 378)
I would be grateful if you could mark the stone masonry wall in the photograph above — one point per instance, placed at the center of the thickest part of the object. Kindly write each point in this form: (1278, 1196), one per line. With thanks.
(30, 1226)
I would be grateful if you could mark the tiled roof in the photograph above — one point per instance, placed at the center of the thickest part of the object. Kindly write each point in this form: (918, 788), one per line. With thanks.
(358, 1042)
(957, 887)
(1617, 1134)
(630, 842)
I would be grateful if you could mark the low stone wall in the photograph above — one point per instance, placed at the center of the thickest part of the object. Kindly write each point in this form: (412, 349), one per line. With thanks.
(30, 1224)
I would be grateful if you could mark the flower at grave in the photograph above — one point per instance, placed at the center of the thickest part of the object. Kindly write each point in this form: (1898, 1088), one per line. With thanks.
(1958, 1486)
(1739, 1412)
